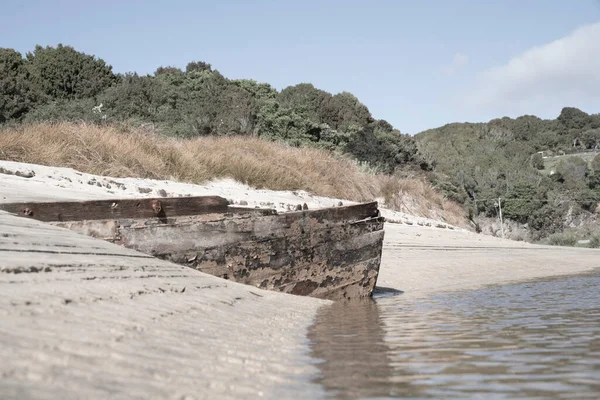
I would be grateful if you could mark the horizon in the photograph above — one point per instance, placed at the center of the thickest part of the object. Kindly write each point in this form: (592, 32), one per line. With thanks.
(461, 66)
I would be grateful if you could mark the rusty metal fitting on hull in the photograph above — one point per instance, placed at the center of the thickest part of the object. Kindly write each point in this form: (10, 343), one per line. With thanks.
(156, 206)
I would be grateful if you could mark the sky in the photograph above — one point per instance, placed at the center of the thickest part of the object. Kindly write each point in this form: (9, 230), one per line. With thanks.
(417, 64)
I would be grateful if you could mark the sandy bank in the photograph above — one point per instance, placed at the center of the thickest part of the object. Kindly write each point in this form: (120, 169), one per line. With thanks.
(83, 316)
(32, 182)
(421, 261)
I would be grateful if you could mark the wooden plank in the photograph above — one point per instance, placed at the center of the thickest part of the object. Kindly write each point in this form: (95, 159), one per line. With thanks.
(253, 211)
(196, 232)
(177, 245)
(345, 213)
(160, 208)
(187, 233)
(323, 258)
(316, 252)
(163, 208)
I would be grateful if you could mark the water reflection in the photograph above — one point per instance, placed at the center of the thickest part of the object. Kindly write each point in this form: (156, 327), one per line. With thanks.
(532, 340)
(347, 340)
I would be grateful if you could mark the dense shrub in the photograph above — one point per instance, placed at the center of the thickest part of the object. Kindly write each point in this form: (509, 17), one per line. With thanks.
(537, 161)
(385, 150)
(63, 73)
(595, 240)
(563, 239)
(17, 96)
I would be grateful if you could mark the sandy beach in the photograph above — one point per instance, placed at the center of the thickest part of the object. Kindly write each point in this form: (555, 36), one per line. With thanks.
(82, 318)
(421, 261)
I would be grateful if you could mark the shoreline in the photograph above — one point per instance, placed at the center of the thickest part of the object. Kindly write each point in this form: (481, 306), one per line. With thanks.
(87, 316)
(424, 261)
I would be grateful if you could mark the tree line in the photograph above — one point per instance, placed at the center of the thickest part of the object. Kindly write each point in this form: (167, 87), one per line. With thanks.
(471, 163)
(60, 83)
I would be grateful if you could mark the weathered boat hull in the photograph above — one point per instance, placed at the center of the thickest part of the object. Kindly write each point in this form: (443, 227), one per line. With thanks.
(331, 253)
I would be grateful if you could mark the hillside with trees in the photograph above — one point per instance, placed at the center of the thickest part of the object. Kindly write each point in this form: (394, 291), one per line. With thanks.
(63, 84)
(477, 164)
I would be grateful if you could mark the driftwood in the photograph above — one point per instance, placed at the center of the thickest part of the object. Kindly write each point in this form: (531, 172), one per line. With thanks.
(128, 208)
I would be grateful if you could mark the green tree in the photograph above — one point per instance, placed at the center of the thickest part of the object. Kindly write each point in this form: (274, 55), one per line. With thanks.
(260, 91)
(537, 161)
(586, 198)
(168, 70)
(268, 122)
(68, 110)
(383, 125)
(521, 201)
(16, 94)
(197, 66)
(573, 118)
(573, 171)
(594, 175)
(590, 138)
(526, 127)
(495, 159)
(172, 76)
(547, 139)
(139, 97)
(343, 112)
(596, 163)
(546, 220)
(384, 150)
(277, 123)
(214, 105)
(305, 100)
(64, 73)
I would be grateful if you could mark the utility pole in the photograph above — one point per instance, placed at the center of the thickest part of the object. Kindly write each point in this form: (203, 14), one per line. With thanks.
(500, 209)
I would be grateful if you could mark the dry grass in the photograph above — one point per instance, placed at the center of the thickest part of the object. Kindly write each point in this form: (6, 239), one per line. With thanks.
(113, 151)
(418, 197)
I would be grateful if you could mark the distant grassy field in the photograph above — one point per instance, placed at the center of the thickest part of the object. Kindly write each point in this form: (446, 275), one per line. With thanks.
(550, 163)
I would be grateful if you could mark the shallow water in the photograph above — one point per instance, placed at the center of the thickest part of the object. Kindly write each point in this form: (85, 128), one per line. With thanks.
(534, 340)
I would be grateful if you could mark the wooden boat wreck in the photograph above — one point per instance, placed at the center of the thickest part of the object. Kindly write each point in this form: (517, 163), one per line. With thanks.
(331, 253)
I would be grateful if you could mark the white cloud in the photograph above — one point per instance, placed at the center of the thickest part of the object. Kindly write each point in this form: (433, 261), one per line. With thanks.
(565, 72)
(459, 61)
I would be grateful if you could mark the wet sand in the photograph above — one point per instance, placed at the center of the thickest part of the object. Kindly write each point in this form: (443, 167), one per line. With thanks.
(85, 318)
